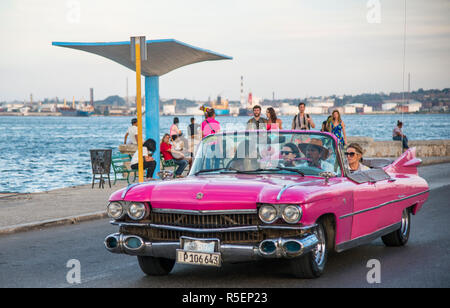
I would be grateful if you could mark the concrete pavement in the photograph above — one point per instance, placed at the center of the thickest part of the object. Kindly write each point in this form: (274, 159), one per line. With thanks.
(23, 212)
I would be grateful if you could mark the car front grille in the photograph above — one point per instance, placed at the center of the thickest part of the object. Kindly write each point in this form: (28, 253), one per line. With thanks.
(204, 223)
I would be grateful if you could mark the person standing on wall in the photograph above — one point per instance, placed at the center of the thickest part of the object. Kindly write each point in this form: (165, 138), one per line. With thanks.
(257, 122)
(210, 126)
(338, 127)
(273, 123)
(174, 130)
(132, 132)
(302, 121)
(194, 136)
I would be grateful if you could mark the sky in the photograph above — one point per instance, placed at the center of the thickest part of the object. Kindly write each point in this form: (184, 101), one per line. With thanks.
(289, 48)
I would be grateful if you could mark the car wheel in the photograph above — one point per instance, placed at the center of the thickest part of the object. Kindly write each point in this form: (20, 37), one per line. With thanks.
(401, 236)
(312, 265)
(156, 266)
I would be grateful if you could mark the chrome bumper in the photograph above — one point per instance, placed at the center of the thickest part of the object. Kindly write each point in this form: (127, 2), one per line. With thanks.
(271, 248)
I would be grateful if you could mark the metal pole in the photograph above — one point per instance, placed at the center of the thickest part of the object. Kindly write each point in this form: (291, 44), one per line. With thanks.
(139, 108)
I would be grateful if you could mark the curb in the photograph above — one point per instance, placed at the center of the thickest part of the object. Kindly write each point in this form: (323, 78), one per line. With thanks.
(52, 223)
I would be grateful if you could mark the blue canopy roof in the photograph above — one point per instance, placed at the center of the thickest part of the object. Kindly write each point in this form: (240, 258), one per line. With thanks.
(163, 56)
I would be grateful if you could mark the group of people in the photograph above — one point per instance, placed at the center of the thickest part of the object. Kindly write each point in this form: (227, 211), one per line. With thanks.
(301, 121)
(175, 148)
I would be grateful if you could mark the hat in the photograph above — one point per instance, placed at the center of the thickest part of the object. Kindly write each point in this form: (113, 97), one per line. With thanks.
(316, 143)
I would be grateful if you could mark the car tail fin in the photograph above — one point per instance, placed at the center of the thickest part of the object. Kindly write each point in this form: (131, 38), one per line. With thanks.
(406, 163)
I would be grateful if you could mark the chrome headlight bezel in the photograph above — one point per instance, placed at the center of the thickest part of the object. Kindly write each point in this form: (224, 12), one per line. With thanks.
(292, 214)
(137, 210)
(264, 209)
(115, 210)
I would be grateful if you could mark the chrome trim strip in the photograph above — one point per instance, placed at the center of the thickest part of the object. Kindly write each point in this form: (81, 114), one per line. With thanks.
(286, 187)
(124, 193)
(383, 204)
(364, 239)
(203, 212)
(220, 230)
(288, 227)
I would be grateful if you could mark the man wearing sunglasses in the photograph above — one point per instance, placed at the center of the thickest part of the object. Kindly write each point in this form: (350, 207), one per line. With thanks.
(354, 155)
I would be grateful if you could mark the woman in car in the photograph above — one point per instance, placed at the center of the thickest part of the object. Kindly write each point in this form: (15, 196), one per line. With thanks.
(354, 155)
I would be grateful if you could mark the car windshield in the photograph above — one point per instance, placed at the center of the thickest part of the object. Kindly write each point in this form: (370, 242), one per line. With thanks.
(267, 152)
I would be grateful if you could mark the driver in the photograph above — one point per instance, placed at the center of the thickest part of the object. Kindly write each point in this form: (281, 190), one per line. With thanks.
(245, 158)
(316, 153)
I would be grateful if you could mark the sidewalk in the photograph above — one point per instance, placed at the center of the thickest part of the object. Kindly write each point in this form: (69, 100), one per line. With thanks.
(24, 212)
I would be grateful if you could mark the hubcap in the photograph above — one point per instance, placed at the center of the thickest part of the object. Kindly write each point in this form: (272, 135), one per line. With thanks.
(319, 251)
(405, 224)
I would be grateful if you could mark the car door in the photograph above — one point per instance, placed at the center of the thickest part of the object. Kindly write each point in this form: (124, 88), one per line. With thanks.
(373, 202)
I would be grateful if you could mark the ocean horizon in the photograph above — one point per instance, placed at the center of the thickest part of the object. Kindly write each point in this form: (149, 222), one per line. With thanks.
(46, 153)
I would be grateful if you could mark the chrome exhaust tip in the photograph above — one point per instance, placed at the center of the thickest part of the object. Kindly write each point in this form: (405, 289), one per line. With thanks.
(113, 243)
(133, 243)
(268, 247)
(292, 247)
(298, 247)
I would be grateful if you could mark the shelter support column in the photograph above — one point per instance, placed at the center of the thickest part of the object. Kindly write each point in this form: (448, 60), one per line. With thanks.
(152, 115)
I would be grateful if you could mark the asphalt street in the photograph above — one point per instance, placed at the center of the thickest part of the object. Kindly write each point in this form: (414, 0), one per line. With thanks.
(40, 258)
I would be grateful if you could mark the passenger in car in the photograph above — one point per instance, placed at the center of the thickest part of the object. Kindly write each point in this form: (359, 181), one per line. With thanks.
(289, 155)
(354, 155)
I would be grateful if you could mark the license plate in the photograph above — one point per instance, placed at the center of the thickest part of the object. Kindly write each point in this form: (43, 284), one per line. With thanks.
(199, 245)
(199, 258)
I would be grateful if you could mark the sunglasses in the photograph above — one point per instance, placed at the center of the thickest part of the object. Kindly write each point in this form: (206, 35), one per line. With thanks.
(286, 152)
(351, 154)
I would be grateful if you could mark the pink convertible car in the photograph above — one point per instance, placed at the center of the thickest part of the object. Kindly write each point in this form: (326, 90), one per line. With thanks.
(260, 195)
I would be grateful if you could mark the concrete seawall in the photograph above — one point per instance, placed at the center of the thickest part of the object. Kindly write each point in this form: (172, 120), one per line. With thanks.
(438, 150)
(430, 151)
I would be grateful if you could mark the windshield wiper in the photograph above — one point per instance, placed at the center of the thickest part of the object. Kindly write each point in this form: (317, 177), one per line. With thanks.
(275, 169)
(216, 169)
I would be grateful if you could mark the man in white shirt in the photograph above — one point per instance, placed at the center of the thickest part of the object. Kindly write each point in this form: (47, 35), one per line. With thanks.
(132, 132)
(302, 121)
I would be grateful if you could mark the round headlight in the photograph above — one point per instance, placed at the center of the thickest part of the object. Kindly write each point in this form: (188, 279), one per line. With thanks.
(115, 210)
(268, 214)
(292, 214)
(136, 211)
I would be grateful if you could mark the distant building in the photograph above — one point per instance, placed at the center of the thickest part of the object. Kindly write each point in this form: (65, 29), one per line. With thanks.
(400, 105)
(288, 109)
(358, 108)
(168, 109)
(321, 102)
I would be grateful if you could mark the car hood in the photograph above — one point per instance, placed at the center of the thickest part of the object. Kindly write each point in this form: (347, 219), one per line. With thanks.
(225, 192)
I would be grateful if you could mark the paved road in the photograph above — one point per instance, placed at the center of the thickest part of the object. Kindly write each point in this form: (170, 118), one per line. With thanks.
(39, 258)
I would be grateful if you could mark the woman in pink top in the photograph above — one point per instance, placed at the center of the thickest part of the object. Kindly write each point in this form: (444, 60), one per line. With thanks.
(174, 130)
(273, 122)
(210, 126)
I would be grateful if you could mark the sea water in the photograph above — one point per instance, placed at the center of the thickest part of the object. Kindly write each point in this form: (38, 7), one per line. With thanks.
(44, 153)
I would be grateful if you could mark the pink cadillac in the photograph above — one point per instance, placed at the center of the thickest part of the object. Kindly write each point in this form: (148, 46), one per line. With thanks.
(255, 195)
